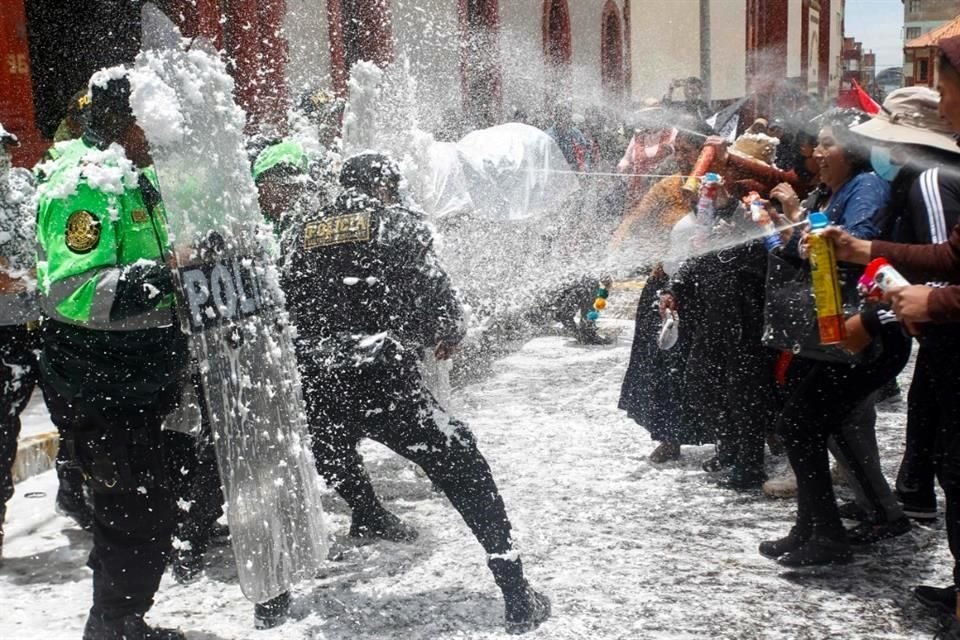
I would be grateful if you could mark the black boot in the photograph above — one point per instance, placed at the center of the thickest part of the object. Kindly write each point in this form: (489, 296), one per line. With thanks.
(130, 627)
(525, 608)
(868, 532)
(219, 534)
(187, 565)
(817, 551)
(71, 501)
(272, 613)
(949, 628)
(742, 479)
(940, 599)
(380, 523)
(776, 548)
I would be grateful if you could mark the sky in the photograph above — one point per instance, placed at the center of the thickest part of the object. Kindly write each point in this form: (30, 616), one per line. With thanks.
(878, 24)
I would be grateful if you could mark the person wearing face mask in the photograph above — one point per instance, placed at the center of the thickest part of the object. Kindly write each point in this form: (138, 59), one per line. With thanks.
(920, 304)
(18, 307)
(922, 163)
(925, 203)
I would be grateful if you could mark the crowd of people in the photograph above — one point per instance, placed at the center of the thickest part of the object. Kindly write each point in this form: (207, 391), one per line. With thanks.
(88, 313)
(747, 368)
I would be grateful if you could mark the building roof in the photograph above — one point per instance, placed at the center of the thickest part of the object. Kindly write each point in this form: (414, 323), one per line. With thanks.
(932, 38)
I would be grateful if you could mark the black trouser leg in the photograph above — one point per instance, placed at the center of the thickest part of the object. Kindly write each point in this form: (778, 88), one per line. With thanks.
(195, 480)
(400, 415)
(341, 465)
(131, 540)
(817, 512)
(449, 456)
(335, 434)
(133, 522)
(855, 447)
(18, 377)
(823, 395)
(941, 372)
(915, 479)
(9, 432)
(951, 496)
(749, 402)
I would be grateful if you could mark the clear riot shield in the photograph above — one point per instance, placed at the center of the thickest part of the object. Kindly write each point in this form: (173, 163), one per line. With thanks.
(230, 304)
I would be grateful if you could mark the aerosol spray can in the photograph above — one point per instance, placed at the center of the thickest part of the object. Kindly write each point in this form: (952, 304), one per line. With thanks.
(707, 202)
(758, 213)
(826, 283)
(705, 213)
(884, 276)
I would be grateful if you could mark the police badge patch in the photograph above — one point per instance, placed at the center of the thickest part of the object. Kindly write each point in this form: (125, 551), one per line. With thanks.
(83, 231)
(353, 227)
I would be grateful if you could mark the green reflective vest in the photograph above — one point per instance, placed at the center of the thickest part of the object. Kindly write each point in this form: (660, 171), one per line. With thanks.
(92, 221)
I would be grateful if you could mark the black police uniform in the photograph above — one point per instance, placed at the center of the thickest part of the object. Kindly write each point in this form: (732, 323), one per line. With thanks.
(367, 294)
(109, 383)
(18, 369)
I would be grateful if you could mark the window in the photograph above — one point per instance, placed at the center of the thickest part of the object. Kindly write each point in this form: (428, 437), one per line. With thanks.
(914, 6)
(913, 32)
(923, 70)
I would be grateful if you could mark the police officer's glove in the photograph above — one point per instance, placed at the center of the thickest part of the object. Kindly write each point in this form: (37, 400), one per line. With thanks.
(141, 288)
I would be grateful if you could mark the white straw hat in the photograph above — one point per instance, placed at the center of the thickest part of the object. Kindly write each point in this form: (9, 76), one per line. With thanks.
(910, 116)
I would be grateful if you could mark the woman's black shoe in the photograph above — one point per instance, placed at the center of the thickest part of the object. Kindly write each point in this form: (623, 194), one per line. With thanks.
(817, 551)
(740, 480)
(713, 465)
(869, 533)
(853, 511)
(940, 599)
(776, 548)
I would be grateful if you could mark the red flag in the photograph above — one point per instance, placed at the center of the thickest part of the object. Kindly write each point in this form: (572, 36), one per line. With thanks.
(858, 99)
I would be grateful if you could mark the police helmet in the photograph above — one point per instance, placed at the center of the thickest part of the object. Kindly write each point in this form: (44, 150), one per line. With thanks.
(369, 172)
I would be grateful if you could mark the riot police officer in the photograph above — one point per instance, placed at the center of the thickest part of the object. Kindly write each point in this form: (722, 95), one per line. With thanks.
(112, 355)
(367, 295)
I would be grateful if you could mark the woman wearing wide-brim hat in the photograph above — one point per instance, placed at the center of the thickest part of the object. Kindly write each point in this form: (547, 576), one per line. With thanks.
(929, 202)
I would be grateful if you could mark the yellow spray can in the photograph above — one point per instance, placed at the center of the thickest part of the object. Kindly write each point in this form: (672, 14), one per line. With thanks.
(826, 283)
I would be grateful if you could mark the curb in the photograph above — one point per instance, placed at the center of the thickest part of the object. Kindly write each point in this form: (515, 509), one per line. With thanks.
(35, 454)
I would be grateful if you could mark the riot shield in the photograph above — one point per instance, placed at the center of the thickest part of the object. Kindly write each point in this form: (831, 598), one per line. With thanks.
(230, 304)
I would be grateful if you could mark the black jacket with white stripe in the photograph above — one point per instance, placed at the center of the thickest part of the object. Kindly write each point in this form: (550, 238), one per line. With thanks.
(927, 209)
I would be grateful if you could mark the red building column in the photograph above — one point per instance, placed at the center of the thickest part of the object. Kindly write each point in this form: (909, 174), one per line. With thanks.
(823, 56)
(259, 54)
(611, 50)
(358, 30)
(243, 47)
(557, 49)
(338, 48)
(272, 64)
(766, 51)
(208, 22)
(17, 108)
(627, 51)
(480, 71)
